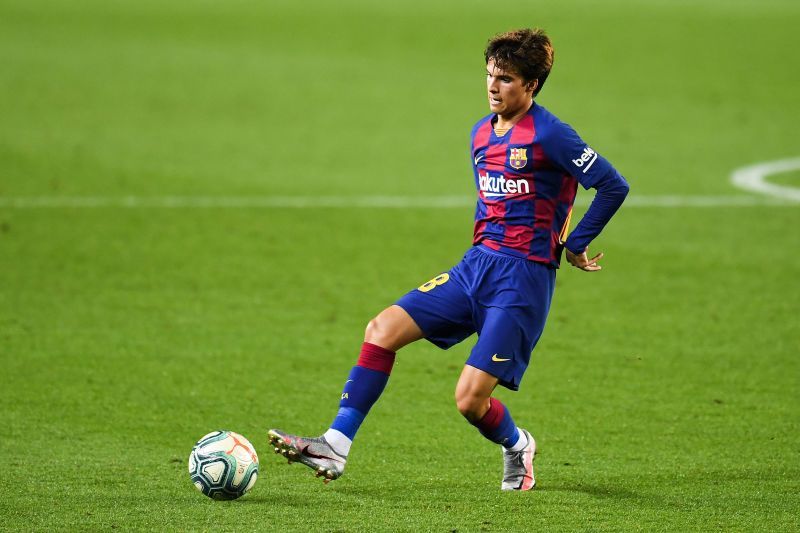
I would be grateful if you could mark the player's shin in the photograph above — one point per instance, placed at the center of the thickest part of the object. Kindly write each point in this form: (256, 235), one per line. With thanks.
(361, 390)
(498, 426)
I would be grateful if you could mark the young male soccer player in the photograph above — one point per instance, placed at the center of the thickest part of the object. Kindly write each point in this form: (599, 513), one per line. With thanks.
(527, 166)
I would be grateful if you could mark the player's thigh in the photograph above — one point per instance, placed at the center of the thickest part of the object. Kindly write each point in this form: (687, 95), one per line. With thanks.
(504, 345)
(442, 309)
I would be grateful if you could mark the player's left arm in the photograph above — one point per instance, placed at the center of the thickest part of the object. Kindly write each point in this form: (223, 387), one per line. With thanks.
(611, 192)
(591, 170)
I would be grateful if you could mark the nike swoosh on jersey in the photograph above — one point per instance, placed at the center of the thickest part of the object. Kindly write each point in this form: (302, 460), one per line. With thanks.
(479, 159)
(499, 359)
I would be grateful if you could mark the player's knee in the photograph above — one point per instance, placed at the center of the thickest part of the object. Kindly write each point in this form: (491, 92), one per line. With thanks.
(374, 332)
(392, 329)
(471, 407)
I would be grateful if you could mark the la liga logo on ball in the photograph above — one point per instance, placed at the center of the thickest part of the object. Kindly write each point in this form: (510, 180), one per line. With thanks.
(223, 465)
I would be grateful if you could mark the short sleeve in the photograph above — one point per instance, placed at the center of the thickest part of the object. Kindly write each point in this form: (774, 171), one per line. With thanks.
(566, 149)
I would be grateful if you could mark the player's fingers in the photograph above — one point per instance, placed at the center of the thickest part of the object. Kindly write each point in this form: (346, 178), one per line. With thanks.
(596, 258)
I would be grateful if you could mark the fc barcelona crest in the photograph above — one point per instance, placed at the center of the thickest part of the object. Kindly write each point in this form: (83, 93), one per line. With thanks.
(518, 157)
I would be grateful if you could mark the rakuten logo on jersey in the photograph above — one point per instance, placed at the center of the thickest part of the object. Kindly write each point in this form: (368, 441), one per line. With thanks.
(498, 185)
(588, 156)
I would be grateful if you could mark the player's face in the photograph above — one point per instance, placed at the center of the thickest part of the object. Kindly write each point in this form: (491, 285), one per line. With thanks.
(509, 94)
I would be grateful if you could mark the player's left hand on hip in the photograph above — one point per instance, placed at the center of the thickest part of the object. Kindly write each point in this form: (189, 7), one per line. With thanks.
(583, 262)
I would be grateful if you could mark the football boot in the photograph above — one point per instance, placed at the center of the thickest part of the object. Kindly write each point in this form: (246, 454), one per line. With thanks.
(314, 452)
(518, 466)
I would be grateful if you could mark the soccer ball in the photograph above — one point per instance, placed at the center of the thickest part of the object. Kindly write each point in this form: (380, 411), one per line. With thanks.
(223, 465)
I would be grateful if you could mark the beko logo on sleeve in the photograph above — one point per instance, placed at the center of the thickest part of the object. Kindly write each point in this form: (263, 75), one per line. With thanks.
(587, 155)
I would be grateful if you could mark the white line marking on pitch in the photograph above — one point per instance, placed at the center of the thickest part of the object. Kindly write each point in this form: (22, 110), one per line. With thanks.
(753, 178)
(307, 202)
(750, 178)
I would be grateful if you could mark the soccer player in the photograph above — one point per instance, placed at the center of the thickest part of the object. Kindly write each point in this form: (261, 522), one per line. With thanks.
(527, 165)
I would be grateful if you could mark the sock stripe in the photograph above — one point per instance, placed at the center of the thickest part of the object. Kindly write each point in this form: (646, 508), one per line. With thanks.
(376, 358)
(493, 417)
(497, 424)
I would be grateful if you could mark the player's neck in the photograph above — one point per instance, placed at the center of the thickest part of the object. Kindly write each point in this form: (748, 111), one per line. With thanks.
(503, 123)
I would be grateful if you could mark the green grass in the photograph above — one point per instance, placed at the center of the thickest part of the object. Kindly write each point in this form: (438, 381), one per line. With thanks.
(791, 179)
(663, 394)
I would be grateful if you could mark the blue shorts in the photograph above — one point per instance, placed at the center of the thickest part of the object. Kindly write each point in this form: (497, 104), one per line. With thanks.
(504, 299)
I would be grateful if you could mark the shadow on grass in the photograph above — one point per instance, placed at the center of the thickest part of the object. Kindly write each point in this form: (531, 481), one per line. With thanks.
(598, 491)
(284, 500)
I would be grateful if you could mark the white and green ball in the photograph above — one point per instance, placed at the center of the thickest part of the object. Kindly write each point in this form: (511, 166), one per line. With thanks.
(223, 465)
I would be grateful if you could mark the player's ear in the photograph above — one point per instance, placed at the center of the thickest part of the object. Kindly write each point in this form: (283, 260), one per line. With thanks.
(532, 85)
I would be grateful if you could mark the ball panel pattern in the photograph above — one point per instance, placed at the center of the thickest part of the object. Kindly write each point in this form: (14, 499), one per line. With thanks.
(223, 465)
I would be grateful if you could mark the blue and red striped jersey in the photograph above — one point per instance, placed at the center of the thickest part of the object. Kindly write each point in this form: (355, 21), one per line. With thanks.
(527, 180)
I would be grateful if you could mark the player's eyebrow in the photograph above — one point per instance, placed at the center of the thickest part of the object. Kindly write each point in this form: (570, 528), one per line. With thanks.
(499, 75)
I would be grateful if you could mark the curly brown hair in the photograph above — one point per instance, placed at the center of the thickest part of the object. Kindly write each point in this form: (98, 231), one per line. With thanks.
(527, 52)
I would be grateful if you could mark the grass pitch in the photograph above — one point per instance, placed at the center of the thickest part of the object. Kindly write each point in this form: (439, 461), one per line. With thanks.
(664, 392)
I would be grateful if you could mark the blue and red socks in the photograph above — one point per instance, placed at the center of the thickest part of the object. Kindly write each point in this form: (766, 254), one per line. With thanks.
(498, 426)
(362, 389)
(365, 385)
